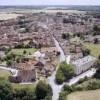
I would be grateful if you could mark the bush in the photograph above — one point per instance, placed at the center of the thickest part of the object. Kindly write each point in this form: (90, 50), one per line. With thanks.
(6, 92)
(65, 36)
(64, 73)
(96, 28)
(24, 94)
(86, 52)
(9, 93)
(24, 52)
(97, 74)
(60, 78)
(15, 79)
(43, 90)
(87, 84)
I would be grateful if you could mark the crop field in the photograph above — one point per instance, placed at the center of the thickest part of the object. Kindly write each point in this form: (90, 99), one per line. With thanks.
(86, 95)
(6, 16)
(40, 10)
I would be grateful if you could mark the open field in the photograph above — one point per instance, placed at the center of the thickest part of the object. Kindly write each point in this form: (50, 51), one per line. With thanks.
(43, 10)
(95, 48)
(6, 16)
(86, 95)
(4, 74)
(20, 51)
(21, 86)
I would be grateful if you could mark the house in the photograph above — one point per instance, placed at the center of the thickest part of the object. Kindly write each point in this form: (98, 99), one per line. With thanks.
(83, 64)
(27, 75)
(26, 72)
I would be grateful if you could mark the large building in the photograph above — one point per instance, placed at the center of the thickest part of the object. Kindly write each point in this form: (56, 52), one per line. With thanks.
(83, 64)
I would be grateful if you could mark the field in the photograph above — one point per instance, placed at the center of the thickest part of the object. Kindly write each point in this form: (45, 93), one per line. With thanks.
(95, 48)
(4, 74)
(86, 95)
(20, 51)
(21, 86)
(42, 10)
(6, 16)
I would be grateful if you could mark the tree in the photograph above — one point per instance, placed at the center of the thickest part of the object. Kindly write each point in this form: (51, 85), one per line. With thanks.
(9, 62)
(86, 52)
(6, 92)
(65, 20)
(96, 28)
(43, 90)
(24, 52)
(97, 74)
(99, 57)
(24, 94)
(97, 64)
(60, 78)
(58, 53)
(65, 36)
(96, 41)
(64, 73)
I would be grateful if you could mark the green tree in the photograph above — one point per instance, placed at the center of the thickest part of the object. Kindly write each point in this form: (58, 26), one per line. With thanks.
(64, 73)
(65, 36)
(43, 90)
(6, 92)
(24, 94)
(86, 52)
(24, 52)
(96, 28)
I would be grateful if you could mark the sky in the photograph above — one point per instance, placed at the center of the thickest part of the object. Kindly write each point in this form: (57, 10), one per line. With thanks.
(49, 2)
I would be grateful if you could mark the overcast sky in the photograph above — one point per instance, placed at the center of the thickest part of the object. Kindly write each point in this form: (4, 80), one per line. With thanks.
(49, 2)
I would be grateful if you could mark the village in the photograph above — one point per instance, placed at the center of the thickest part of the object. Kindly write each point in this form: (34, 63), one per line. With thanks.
(33, 45)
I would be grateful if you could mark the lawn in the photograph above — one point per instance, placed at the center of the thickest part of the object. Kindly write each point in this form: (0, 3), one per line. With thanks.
(95, 48)
(86, 95)
(21, 86)
(4, 74)
(20, 51)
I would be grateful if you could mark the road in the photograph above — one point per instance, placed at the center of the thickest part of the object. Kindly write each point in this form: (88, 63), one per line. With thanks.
(13, 71)
(51, 80)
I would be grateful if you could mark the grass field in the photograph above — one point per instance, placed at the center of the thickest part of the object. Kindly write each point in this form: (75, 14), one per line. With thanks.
(20, 51)
(21, 86)
(86, 95)
(4, 74)
(95, 48)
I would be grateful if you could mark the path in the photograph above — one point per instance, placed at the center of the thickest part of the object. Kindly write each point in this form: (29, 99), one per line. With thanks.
(14, 71)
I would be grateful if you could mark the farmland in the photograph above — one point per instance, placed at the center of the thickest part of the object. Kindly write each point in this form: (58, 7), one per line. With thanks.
(86, 95)
(6, 16)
